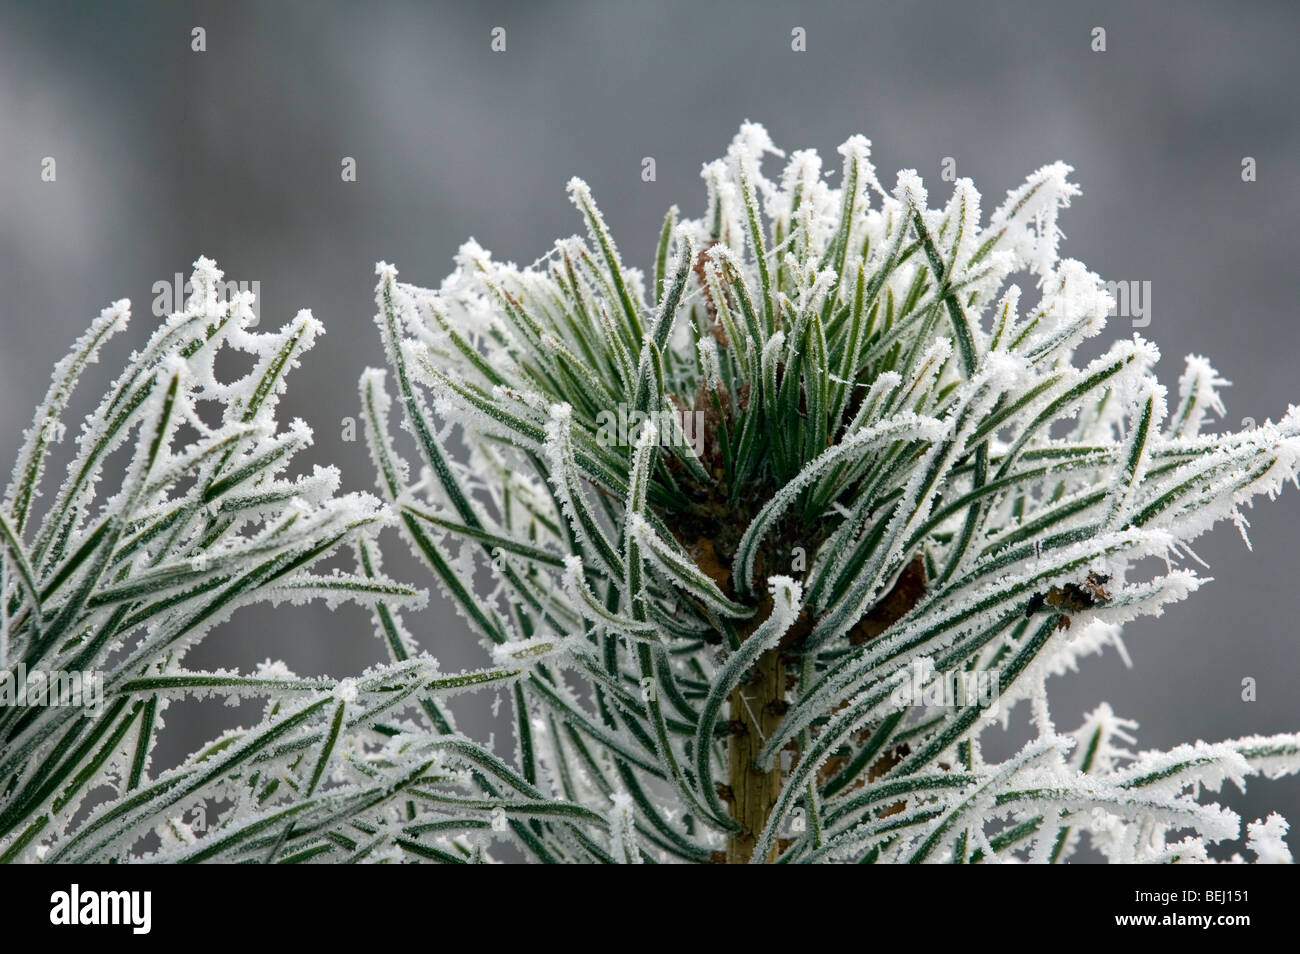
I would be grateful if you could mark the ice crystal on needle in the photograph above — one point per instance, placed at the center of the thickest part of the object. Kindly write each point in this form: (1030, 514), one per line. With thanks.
(851, 450)
(109, 586)
(760, 545)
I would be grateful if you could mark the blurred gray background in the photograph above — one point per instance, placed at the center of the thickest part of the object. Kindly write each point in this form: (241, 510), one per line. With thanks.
(164, 154)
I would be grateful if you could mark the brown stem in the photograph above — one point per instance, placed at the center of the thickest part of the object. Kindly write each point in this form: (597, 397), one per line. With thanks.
(758, 705)
(756, 708)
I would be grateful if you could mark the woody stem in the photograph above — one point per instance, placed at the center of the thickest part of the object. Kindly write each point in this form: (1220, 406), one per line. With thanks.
(755, 713)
